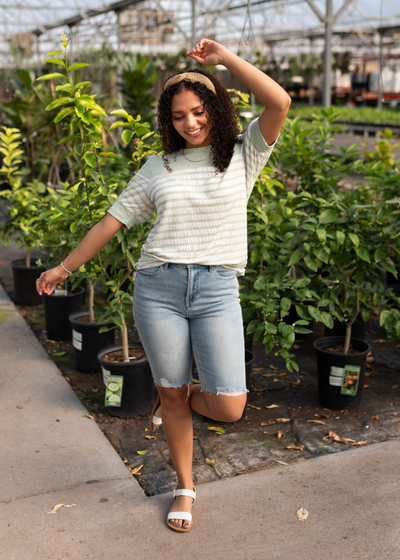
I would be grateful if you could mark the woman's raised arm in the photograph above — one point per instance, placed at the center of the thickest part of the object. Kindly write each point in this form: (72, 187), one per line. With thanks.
(270, 94)
(95, 240)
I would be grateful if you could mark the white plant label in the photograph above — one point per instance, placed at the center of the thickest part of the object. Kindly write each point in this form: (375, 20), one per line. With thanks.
(77, 335)
(106, 373)
(60, 292)
(336, 376)
(76, 344)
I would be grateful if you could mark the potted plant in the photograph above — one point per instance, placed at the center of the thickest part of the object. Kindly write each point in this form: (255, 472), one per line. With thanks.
(21, 223)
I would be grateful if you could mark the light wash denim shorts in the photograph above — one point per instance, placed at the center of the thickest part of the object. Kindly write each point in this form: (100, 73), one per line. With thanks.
(186, 311)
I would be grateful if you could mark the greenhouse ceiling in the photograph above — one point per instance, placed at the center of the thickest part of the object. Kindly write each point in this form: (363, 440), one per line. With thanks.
(28, 28)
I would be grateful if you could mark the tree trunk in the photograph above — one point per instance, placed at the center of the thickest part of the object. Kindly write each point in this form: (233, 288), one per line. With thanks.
(124, 333)
(28, 259)
(91, 302)
(347, 338)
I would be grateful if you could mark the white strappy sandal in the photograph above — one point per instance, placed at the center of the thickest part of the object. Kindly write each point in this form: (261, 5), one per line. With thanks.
(184, 515)
(155, 419)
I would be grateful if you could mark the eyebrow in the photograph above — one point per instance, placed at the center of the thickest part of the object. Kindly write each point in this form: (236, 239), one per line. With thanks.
(194, 109)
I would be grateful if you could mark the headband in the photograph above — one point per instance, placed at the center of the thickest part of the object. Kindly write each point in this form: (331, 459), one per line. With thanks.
(190, 77)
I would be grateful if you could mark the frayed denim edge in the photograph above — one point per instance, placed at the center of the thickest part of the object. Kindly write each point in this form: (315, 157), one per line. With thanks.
(165, 383)
(231, 392)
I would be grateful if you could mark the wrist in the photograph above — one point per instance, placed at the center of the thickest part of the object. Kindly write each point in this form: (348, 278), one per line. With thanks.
(226, 56)
(65, 268)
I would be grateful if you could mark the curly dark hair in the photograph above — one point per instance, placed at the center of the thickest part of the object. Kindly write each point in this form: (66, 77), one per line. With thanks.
(221, 114)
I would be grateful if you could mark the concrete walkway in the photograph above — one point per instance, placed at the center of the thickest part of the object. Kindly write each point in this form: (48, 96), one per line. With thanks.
(50, 454)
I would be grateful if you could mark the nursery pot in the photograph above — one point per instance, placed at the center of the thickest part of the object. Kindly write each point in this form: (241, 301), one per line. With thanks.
(136, 392)
(57, 310)
(25, 292)
(340, 376)
(87, 341)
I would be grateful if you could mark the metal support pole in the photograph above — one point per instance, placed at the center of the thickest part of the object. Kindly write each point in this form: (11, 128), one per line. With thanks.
(380, 84)
(311, 83)
(326, 93)
(193, 30)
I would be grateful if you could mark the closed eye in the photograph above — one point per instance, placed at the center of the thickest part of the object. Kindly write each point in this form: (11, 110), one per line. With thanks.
(196, 114)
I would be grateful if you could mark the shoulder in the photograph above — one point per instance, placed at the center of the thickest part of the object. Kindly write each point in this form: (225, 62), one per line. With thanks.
(154, 166)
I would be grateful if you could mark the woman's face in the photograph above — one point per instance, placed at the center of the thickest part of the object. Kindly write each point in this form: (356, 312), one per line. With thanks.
(189, 119)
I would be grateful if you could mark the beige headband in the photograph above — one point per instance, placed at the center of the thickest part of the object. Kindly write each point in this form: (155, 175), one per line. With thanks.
(191, 77)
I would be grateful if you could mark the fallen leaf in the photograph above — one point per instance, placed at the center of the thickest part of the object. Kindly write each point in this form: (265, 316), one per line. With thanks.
(366, 386)
(391, 367)
(268, 374)
(95, 390)
(64, 446)
(87, 416)
(272, 406)
(376, 417)
(275, 379)
(335, 437)
(323, 416)
(60, 530)
(295, 347)
(304, 373)
(150, 437)
(194, 437)
(380, 340)
(317, 422)
(255, 407)
(283, 375)
(273, 367)
(59, 506)
(279, 434)
(282, 462)
(19, 407)
(247, 419)
(393, 386)
(59, 354)
(282, 420)
(143, 452)
(396, 421)
(302, 514)
(359, 443)
(136, 471)
(214, 429)
(210, 462)
(299, 447)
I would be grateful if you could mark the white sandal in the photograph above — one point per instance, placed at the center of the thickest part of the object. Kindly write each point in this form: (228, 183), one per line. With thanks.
(155, 419)
(184, 515)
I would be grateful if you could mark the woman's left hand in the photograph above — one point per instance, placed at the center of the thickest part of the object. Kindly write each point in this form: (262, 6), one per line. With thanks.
(207, 52)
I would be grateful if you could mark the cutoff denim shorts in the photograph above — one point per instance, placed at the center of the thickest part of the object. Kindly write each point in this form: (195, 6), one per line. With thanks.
(186, 311)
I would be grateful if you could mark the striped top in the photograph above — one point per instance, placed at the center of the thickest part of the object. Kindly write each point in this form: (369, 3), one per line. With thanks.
(201, 215)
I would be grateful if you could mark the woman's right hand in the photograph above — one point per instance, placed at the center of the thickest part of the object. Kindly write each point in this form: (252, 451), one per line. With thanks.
(49, 279)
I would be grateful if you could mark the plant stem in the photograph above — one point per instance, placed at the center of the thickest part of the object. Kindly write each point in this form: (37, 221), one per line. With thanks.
(28, 258)
(124, 334)
(91, 302)
(349, 326)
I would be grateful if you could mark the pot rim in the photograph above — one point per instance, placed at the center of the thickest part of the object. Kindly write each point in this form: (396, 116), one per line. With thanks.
(14, 265)
(117, 348)
(341, 338)
(78, 291)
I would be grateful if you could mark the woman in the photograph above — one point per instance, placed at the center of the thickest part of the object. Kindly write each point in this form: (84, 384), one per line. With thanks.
(186, 291)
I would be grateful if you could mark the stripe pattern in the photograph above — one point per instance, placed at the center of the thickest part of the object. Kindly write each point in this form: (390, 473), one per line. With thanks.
(201, 215)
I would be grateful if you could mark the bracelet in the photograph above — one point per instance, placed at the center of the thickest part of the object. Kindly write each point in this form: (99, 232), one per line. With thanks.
(62, 264)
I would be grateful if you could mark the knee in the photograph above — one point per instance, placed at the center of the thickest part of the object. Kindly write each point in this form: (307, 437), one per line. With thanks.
(171, 398)
(231, 408)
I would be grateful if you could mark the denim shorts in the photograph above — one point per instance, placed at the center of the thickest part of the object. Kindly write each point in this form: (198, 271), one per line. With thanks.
(186, 311)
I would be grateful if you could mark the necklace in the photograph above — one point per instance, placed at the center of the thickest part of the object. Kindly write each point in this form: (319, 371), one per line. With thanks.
(194, 160)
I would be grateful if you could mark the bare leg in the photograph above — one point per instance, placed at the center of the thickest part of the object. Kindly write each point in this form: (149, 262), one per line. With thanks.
(178, 430)
(217, 407)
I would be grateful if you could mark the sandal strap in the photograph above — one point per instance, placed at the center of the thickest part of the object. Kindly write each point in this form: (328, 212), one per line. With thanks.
(185, 492)
(180, 515)
(156, 420)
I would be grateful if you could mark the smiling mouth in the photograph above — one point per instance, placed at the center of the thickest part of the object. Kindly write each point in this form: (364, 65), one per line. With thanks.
(195, 132)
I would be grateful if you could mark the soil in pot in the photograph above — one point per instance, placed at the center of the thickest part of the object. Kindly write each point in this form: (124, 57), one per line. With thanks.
(340, 376)
(87, 341)
(57, 310)
(130, 390)
(24, 278)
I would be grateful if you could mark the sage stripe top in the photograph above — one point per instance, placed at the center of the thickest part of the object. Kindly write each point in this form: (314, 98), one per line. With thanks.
(201, 215)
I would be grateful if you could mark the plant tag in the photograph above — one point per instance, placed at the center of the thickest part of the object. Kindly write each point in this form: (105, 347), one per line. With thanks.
(106, 373)
(336, 376)
(62, 292)
(76, 340)
(350, 380)
(114, 390)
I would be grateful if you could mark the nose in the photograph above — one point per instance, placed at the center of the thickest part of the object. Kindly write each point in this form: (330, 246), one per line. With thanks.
(191, 121)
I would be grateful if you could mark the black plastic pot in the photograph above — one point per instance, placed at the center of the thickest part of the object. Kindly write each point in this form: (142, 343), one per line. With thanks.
(358, 329)
(334, 369)
(57, 310)
(138, 390)
(25, 292)
(87, 342)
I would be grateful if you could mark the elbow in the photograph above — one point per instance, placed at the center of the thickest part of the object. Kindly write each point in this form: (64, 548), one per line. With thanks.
(286, 102)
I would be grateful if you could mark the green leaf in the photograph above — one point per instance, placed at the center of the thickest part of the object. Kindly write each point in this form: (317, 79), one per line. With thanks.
(321, 233)
(90, 160)
(354, 239)
(54, 52)
(340, 236)
(297, 256)
(214, 429)
(286, 304)
(119, 124)
(58, 103)
(362, 252)
(77, 65)
(53, 76)
(278, 278)
(315, 314)
(327, 319)
(120, 113)
(365, 315)
(59, 354)
(55, 61)
(270, 328)
(311, 262)
(328, 216)
(321, 254)
(142, 452)
(127, 136)
(81, 85)
(64, 113)
(73, 226)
